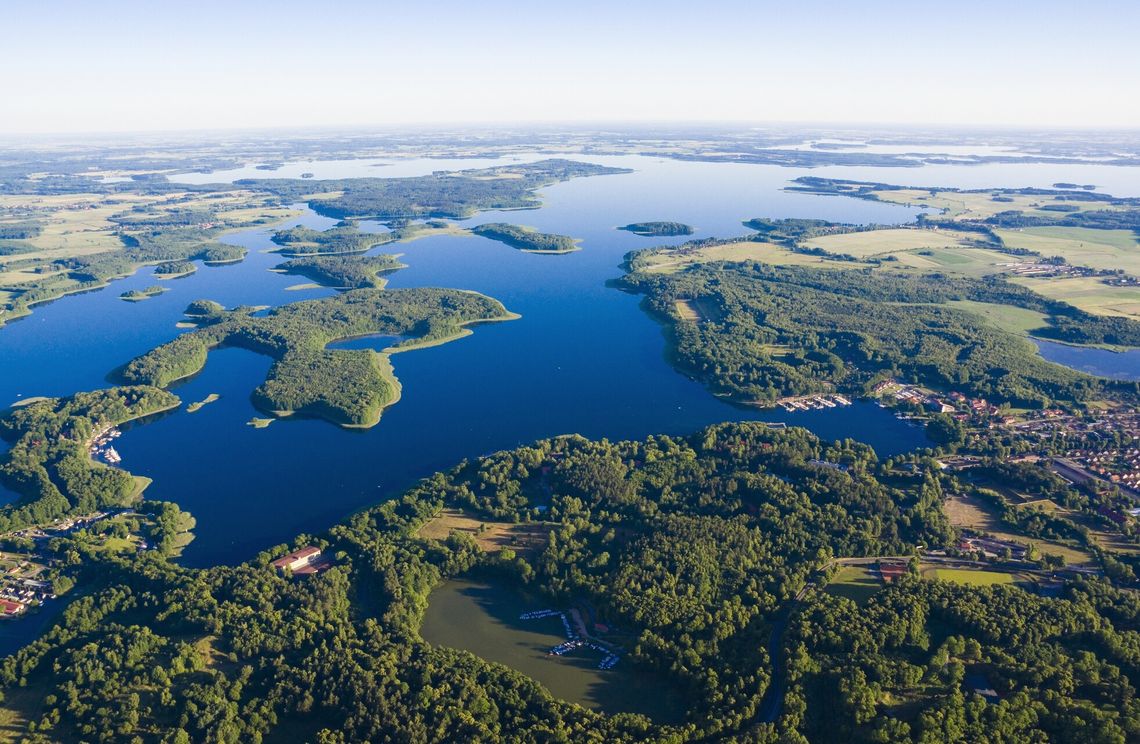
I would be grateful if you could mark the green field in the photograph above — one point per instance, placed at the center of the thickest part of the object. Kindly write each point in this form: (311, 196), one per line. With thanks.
(484, 619)
(1088, 293)
(857, 583)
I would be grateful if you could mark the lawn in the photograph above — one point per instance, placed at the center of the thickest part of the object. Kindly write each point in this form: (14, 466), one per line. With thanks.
(967, 576)
(857, 583)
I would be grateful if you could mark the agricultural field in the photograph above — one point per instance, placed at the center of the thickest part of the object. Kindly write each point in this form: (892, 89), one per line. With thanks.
(85, 224)
(972, 262)
(1088, 293)
(672, 261)
(879, 243)
(1081, 246)
(980, 205)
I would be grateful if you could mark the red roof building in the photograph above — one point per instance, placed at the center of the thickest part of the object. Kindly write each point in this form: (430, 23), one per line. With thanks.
(304, 561)
(8, 608)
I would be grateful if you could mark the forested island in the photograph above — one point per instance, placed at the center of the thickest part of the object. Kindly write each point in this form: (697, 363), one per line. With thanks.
(710, 549)
(455, 195)
(344, 272)
(347, 387)
(658, 229)
(526, 238)
(138, 295)
(346, 237)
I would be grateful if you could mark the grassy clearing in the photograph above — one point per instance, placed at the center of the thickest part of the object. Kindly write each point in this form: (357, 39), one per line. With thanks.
(687, 310)
(1089, 294)
(1081, 246)
(857, 583)
(972, 513)
(489, 535)
(1011, 319)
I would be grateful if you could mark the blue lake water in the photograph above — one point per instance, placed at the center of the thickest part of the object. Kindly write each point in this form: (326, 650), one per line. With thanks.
(1116, 365)
(584, 358)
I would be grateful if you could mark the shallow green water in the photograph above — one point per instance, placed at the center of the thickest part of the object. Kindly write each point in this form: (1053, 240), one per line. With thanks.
(483, 618)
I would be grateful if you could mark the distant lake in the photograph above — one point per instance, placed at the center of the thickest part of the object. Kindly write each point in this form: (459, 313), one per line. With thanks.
(584, 358)
(1116, 365)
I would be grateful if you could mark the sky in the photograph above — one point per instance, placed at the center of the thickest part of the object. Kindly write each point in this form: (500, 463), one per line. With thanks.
(123, 65)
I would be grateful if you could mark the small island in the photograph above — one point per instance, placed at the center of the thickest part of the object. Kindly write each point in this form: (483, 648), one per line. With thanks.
(344, 272)
(197, 405)
(174, 269)
(138, 295)
(222, 253)
(658, 229)
(526, 238)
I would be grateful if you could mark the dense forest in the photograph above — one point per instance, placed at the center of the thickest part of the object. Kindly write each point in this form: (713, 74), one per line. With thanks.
(525, 238)
(700, 544)
(769, 332)
(348, 387)
(658, 229)
(456, 195)
(49, 464)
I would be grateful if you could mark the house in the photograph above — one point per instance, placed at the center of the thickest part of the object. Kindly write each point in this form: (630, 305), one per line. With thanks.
(307, 560)
(8, 608)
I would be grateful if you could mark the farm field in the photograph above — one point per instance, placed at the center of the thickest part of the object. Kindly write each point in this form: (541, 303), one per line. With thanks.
(1088, 293)
(668, 262)
(979, 205)
(883, 242)
(1081, 246)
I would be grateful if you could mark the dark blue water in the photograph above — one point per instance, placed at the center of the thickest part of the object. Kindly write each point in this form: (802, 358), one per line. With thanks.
(583, 358)
(1115, 365)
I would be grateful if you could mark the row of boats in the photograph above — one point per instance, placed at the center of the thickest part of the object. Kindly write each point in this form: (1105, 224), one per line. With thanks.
(609, 658)
(100, 446)
(814, 402)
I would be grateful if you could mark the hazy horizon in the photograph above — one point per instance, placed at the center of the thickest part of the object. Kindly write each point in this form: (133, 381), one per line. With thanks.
(77, 67)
